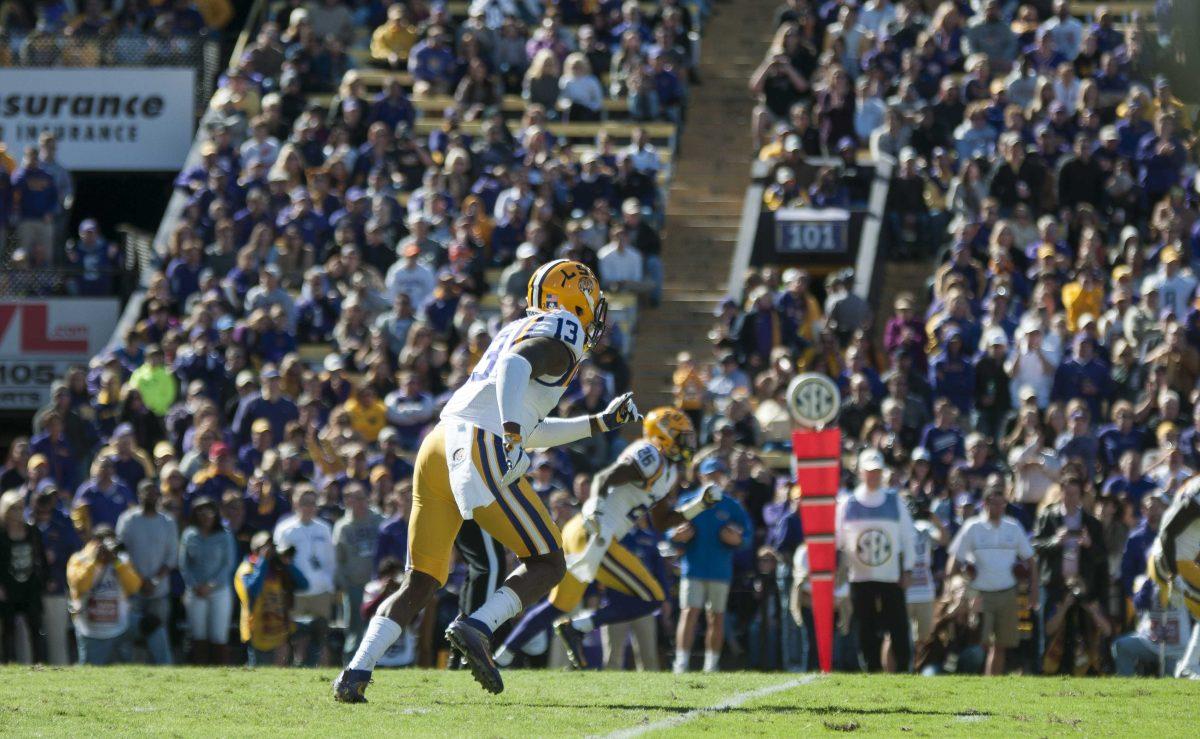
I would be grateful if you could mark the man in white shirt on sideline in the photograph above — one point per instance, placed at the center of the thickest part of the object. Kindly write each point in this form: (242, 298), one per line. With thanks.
(993, 550)
(874, 532)
(311, 539)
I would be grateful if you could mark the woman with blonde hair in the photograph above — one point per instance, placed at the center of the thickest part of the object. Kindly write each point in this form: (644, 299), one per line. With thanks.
(580, 96)
(540, 85)
(23, 572)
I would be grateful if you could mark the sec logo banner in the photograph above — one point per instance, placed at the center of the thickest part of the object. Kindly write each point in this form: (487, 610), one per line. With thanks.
(813, 399)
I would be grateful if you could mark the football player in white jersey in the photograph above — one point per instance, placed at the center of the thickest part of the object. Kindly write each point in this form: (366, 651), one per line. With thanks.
(1174, 563)
(640, 481)
(473, 463)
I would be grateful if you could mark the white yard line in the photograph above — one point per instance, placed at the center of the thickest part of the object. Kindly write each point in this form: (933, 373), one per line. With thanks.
(734, 701)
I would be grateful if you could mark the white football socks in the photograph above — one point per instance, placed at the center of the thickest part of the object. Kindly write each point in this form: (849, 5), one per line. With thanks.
(382, 632)
(583, 623)
(498, 608)
(682, 658)
(503, 657)
(712, 661)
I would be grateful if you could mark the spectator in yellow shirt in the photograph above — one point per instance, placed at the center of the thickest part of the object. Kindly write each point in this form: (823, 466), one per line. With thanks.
(392, 41)
(689, 389)
(100, 581)
(368, 414)
(1085, 295)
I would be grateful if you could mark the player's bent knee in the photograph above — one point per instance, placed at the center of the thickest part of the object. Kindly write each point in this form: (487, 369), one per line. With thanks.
(552, 565)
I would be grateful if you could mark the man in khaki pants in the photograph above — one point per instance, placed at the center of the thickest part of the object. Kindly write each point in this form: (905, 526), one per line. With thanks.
(992, 550)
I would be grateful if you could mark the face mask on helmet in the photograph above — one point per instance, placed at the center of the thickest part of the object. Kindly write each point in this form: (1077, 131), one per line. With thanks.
(599, 323)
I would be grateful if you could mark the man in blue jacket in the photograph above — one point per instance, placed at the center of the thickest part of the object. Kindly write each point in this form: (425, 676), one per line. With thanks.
(707, 543)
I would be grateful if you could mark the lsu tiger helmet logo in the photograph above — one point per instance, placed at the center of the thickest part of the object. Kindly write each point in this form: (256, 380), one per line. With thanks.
(671, 431)
(563, 284)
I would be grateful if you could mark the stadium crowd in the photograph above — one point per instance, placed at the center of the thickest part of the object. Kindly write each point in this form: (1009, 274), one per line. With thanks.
(244, 449)
(1034, 421)
(1051, 377)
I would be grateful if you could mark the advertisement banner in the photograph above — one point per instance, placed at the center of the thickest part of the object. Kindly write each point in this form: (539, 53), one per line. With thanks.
(114, 118)
(40, 339)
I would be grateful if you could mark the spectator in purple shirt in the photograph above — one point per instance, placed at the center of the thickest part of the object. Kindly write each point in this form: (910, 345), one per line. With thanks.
(432, 64)
(35, 200)
(102, 499)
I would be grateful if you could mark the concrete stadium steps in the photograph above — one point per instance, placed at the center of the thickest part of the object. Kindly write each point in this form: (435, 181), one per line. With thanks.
(901, 277)
(704, 206)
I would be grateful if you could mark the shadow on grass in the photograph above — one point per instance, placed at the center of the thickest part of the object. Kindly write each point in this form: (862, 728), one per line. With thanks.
(742, 710)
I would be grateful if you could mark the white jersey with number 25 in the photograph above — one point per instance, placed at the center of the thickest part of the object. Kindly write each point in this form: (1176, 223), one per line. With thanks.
(475, 402)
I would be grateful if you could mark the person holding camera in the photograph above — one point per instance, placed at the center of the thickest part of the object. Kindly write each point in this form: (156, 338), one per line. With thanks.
(101, 579)
(207, 558)
(1073, 565)
(993, 552)
(266, 583)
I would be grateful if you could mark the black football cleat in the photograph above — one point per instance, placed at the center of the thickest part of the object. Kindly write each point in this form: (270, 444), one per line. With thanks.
(572, 639)
(474, 644)
(351, 686)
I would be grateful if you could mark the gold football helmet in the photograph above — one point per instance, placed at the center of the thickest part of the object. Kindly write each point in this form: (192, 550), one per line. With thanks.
(563, 284)
(671, 431)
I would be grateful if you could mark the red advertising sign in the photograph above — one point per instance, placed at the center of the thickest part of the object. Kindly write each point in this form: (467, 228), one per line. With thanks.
(41, 338)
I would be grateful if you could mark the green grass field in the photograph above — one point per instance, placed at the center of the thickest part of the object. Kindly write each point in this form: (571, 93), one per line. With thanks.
(88, 702)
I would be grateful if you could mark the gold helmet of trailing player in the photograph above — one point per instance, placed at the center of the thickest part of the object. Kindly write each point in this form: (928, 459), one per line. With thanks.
(671, 432)
(563, 284)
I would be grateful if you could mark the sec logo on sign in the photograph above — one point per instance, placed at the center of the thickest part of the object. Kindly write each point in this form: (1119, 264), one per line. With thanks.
(813, 399)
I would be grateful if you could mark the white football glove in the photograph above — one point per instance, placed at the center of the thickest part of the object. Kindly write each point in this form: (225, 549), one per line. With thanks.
(620, 411)
(516, 461)
(592, 513)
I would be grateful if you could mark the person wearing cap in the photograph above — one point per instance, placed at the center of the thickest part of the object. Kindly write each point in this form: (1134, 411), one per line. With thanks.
(515, 277)
(95, 258)
(59, 542)
(269, 292)
(389, 455)
(207, 559)
(993, 551)
(101, 580)
(218, 477)
(251, 455)
(265, 582)
(312, 540)
(1138, 544)
(707, 542)
(993, 394)
(408, 275)
(102, 499)
(269, 403)
(874, 531)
